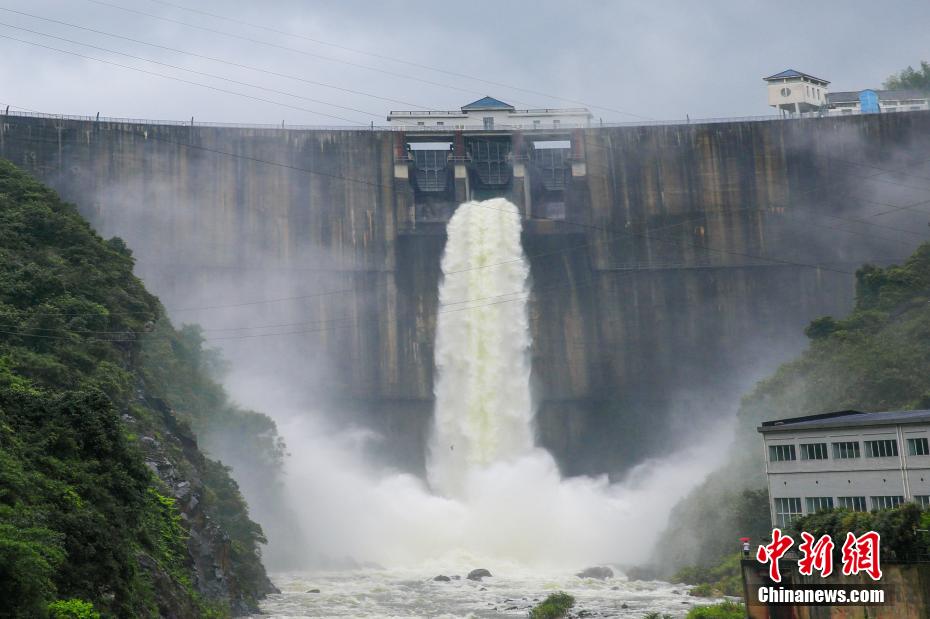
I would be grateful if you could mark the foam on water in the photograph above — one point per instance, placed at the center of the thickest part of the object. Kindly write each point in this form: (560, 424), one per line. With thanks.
(403, 594)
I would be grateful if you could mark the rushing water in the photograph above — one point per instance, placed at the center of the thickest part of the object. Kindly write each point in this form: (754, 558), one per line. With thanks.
(408, 594)
(495, 499)
(483, 411)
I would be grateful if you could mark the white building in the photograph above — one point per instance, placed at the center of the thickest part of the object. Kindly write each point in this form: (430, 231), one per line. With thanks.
(850, 102)
(794, 92)
(860, 461)
(488, 114)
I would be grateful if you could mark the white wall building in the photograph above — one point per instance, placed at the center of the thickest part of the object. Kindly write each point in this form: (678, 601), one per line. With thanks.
(850, 102)
(794, 92)
(489, 114)
(861, 461)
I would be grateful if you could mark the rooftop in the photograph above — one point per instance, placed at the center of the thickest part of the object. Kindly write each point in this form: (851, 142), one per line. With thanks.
(852, 96)
(790, 73)
(845, 419)
(487, 103)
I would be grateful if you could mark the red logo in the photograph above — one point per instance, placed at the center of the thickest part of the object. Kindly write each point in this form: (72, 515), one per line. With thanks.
(773, 552)
(817, 556)
(860, 554)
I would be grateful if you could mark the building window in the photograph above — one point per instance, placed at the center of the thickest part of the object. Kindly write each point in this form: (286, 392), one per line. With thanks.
(886, 502)
(420, 123)
(881, 449)
(440, 123)
(785, 91)
(488, 122)
(923, 500)
(536, 124)
(918, 447)
(786, 511)
(781, 453)
(819, 503)
(846, 450)
(853, 503)
(556, 123)
(813, 451)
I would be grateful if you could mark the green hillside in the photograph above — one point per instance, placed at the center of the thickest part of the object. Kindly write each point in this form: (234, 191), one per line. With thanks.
(104, 494)
(877, 358)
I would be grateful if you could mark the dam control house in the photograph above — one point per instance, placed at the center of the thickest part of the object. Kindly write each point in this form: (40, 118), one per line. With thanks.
(859, 461)
(534, 158)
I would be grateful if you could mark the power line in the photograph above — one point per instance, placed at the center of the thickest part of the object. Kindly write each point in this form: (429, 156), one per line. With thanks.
(211, 58)
(286, 48)
(195, 72)
(179, 79)
(397, 60)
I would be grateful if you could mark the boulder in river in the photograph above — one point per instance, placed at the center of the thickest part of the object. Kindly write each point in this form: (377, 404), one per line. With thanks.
(478, 574)
(600, 573)
(313, 590)
(442, 578)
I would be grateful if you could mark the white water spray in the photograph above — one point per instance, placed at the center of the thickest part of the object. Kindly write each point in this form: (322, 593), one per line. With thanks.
(483, 410)
(495, 499)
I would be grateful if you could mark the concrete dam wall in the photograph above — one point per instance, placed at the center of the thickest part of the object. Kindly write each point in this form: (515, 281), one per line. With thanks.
(671, 265)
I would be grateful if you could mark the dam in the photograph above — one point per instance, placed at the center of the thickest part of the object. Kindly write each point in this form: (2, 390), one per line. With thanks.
(667, 261)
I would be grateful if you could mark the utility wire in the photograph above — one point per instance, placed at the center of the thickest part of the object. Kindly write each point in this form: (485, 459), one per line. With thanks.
(397, 60)
(289, 49)
(179, 79)
(195, 72)
(211, 58)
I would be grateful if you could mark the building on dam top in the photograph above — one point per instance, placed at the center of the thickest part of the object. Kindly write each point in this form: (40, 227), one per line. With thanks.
(489, 113)
(860, 461)
(793, 92)
(875, 101)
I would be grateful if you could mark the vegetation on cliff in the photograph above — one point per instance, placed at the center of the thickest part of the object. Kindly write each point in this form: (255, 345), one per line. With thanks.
(876, 358)
(106, 504)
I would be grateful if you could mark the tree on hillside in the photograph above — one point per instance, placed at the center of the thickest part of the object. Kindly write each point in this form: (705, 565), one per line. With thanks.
(918, 79)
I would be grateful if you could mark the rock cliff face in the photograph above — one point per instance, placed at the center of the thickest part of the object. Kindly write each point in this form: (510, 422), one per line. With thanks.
(682, 272)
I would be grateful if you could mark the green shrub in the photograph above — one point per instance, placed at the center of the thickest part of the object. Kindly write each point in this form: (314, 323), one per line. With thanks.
(704, 590)
(72, 609)
(724, 610)
(555, 606)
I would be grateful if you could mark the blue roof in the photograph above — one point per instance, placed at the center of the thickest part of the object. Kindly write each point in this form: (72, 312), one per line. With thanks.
(487, 103)
(792, 73)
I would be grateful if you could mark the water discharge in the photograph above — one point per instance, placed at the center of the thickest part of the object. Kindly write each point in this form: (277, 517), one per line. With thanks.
(483, 410)
(494, 497)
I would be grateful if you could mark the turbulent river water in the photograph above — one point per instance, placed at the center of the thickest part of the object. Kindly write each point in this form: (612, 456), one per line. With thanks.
(413, 594)
(493, 498)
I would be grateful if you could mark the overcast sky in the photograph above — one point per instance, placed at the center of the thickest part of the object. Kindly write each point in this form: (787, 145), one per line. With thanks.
(625, 60)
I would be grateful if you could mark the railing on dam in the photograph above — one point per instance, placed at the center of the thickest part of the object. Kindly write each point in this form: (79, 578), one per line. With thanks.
(407, 128)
